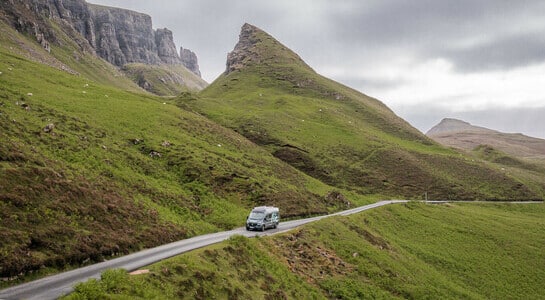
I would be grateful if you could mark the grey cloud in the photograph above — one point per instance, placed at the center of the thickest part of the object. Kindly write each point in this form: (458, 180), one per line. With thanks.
(504, 53)
(475, 36)
(371, 83)
(338, 31)
(431, 29)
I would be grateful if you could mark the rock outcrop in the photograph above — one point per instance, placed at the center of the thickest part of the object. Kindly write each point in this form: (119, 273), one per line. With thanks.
(124, 36)
(243, 52)
(117, 35)
(256, 47)
(165, 47)
(189, 60)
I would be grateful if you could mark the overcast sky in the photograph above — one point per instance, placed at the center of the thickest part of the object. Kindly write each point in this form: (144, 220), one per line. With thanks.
(482, 61)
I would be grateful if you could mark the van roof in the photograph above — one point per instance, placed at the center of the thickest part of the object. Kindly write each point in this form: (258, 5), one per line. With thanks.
(265, 209)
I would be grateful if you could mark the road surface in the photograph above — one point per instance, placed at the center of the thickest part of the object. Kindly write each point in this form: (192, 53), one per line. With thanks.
(61, 284)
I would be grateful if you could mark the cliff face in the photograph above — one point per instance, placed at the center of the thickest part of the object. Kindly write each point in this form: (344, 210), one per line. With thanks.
(124, 36)
(189, 60)
(117, 35)
(244, 51)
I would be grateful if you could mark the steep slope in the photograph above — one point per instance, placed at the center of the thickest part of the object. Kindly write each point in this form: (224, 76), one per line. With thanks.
(462, 135)
(336, 134)
(89, 171)
(164, 80)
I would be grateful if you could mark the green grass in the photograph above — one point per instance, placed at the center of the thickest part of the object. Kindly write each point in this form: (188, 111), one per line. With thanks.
(405, 251)
(448, 251)
(164, 80)
(340, 136)
(237, 269)
(90, 190)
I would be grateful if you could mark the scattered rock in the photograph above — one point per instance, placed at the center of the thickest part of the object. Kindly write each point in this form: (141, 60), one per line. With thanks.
(29, 94)
(136, 141)
(104, 147)
(154, 154)
(166, 144)
(25, 106)
(338, 96)
(49, 127)
(355, 254)
(139, 272)
(219, 145)
(86, 85)
(335, 197)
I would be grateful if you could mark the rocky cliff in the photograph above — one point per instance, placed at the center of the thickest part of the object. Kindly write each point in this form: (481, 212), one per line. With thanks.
(165, 47)
(243, 51)
(189, 60)
(124, 36)
(117, 35)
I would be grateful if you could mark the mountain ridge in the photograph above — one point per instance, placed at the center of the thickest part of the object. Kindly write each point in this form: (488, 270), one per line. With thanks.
(462, 135)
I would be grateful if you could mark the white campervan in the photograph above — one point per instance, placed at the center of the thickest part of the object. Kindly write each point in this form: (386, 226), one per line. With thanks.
(263, 217)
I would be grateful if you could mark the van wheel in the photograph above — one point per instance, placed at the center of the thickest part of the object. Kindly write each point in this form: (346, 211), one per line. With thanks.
(262, 227)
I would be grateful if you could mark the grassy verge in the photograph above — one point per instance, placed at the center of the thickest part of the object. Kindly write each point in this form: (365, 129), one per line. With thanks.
(411, 251)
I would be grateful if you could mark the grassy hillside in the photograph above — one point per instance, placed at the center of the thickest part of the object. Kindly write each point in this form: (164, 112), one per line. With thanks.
(529, 171)
(336, 134)
(410, 251)
(164, 80)
(120, 171)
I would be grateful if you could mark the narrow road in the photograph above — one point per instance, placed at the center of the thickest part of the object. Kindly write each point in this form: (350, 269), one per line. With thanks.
(54, 286)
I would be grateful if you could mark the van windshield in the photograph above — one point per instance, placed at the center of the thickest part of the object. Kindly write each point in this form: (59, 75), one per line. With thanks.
(257, 215)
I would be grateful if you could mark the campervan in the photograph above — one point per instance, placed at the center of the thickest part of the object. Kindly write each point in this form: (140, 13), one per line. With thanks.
(263, 217)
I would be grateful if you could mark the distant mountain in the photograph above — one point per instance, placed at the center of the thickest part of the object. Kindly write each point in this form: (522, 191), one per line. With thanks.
(463, 135)
(336, 134)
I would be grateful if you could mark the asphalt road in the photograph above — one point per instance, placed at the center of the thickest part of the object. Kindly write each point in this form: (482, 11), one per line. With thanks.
(54, 286)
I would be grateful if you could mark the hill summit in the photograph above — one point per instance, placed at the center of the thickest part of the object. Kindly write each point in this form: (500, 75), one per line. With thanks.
(255, 46)
(336, 134)
(455, 125)
(462, 135)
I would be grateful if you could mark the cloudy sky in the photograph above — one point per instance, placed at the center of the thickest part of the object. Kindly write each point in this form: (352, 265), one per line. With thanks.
(482, 61)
